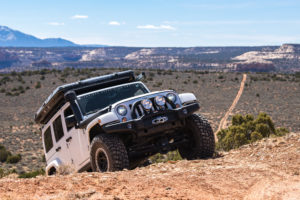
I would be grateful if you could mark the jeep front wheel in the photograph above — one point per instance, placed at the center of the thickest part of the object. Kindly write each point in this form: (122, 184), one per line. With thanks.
(108, 153)
(201, 139)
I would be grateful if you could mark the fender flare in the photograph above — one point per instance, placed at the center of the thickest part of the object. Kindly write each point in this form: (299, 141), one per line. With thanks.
(186, 98)
(101, 120)
(53, 164)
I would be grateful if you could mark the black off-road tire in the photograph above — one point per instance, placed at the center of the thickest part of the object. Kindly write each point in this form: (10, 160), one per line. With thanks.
(201, 137)
(109, 151)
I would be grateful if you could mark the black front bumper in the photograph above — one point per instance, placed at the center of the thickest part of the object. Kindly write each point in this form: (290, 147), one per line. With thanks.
(145, 126)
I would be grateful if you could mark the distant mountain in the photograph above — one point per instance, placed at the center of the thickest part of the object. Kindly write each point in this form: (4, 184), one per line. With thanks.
(14, 38)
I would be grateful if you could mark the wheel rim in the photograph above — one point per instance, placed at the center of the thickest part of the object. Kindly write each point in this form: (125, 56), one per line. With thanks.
(101, 160)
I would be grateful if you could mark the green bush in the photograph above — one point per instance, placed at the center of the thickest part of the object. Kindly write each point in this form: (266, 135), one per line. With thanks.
(172, 155)
(32, 174)
(1, 173)
(38, 85)
(4, 154)
(281, 131)
(247, 129)
(13, 158)
(7, 172)
(256, 136)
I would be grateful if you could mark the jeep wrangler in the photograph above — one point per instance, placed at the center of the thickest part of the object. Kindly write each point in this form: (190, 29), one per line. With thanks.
(114, 122)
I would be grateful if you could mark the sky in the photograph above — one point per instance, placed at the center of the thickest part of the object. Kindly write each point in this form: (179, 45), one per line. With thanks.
(155, 23)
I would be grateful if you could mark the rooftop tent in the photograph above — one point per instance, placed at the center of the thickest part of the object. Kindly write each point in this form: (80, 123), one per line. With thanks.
(56, 99)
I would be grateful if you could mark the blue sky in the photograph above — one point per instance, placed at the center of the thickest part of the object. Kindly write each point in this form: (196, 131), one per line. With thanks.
(157, 22)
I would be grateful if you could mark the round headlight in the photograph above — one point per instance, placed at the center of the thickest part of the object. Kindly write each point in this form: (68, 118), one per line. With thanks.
(122, 110)
(171, 97)
(147, 104)
(160, 100)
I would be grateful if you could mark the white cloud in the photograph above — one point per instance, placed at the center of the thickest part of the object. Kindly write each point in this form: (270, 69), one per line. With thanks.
(233, 22)
(80, 17)
(114, 23)
(160, 27)
(56, 23)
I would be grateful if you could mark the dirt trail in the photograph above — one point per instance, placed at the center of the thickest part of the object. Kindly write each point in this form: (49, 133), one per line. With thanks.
(266, 170)
(223, 121)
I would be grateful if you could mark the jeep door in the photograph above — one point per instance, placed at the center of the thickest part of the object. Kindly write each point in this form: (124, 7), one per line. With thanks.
(60, 146)
(48, 143)
(76, 141)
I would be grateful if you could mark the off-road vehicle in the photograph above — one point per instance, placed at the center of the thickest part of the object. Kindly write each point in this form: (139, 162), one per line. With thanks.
(113, 122)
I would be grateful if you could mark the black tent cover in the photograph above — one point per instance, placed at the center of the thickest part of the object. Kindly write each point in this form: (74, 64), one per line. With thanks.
(54, 102)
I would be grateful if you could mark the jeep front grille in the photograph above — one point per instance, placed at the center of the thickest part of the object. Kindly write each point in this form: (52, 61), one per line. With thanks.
(137, 110)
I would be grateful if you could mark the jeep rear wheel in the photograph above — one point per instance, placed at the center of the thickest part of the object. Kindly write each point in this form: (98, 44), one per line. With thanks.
(108, 153)
(201, 139)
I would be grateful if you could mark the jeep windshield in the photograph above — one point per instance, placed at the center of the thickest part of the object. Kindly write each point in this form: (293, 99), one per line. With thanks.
(97, 100)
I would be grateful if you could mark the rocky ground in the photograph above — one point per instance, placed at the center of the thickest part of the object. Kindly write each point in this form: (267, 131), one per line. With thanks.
(268, 169)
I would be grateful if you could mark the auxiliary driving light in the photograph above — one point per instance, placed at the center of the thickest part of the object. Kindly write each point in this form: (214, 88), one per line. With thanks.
(160, 100)
(147, 104)
(171, 97)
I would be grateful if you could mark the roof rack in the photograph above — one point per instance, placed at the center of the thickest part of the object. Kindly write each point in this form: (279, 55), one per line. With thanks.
(56, 99)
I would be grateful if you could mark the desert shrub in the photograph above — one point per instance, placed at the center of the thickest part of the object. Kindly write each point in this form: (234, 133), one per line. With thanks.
(281, 131)
(8, 94)
(246, 129)
(13, 158)
(4, 154)
(172, 155)
(256, 136)
(195, 81)
(43, 158)
(32, 174)
(254, 78)
(1, 172)
(1, 147)
(64, 80)
(265, 119)
(7, 172)
(38, 85)
(263, 129)
(158, 84)
(5, 79)
(65, 170)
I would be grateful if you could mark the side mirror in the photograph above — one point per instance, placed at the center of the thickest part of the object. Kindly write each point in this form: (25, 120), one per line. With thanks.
(140, 77)
(70, 121)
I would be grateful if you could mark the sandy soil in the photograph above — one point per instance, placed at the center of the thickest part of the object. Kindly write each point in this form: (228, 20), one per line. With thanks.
(265, 170)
